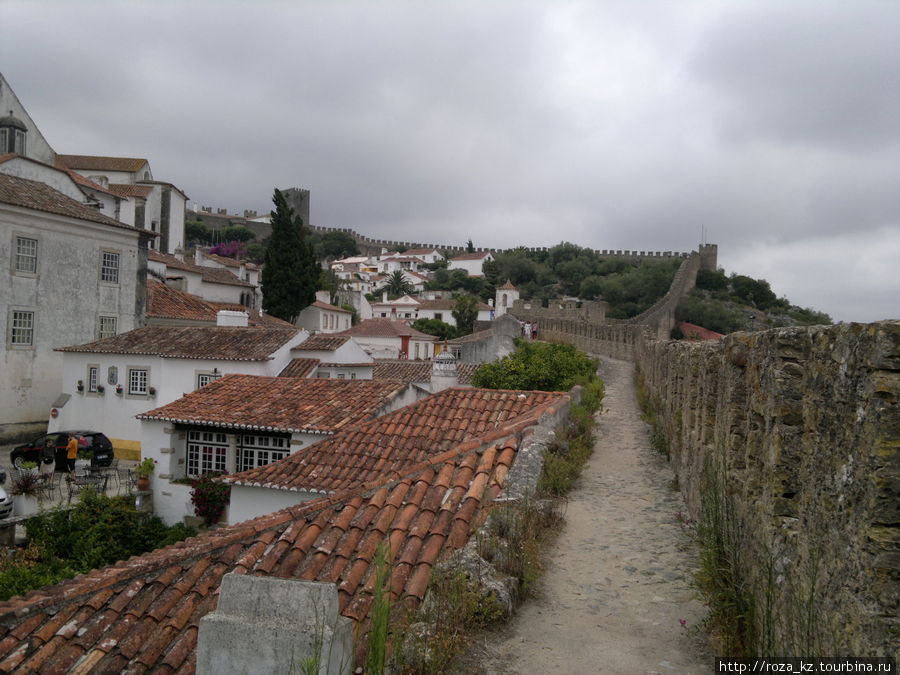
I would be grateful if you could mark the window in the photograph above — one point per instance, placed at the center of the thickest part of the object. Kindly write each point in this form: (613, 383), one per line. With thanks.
(4, 143)
(106, 327)
(93, 376)
(109, 267)
(137, 381)
(439, 316)
(26, 255)
(22, 329)
(341, 376)
(20, 142)
(254, 451)
(206, 451)
(204, 379)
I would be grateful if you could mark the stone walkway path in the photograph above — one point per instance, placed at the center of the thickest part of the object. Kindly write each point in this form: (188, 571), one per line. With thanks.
(617, 583)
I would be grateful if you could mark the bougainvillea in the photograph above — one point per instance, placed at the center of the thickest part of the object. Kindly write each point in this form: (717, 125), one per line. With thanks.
(230, 249)
(210, 496)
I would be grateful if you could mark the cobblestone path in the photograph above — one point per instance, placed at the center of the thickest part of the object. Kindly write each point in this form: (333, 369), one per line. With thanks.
(617, 583)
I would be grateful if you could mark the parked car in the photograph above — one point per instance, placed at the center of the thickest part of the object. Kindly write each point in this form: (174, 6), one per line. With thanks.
(94, 441)
(6, 504)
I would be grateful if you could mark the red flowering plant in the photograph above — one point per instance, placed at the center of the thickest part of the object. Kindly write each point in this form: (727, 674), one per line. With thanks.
(210, 496)
(230, 249)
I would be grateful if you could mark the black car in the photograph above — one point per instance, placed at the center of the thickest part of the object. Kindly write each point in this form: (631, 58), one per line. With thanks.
(94, 441)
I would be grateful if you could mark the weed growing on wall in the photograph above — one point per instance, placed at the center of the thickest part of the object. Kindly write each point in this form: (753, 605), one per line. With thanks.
(721, 538)
(380, 614)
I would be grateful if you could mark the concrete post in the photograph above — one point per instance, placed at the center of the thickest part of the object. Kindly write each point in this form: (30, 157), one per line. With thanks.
(268, 625)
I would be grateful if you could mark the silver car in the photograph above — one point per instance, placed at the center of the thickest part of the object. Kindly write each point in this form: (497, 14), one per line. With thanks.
(6, 504)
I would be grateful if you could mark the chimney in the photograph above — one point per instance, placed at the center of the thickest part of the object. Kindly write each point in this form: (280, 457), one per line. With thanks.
(227, 317)
(443, 371)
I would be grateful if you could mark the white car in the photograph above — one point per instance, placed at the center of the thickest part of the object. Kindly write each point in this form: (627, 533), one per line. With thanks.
(6, 504)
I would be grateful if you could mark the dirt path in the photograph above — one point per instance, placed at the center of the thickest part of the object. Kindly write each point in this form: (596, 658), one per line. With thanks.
(617, 583)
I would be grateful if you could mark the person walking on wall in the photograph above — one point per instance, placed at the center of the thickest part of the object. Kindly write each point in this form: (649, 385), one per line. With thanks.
(48, 457)
(72, 454)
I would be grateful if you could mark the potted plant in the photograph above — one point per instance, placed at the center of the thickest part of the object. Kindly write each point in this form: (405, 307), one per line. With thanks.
(210, 495)
(151, 391)
(143, 471)
(100, 388)
(28, 468)
(80, 386)
(25, 490)
(119, 389)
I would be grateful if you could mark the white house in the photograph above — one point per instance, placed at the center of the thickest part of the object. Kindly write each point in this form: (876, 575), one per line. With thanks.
(336, 356)
(405, 307)
(472, 263)
(107, 382)
(70, 275)
(323, 317)
(171, 306)
(210, 282)
(158, 207)
(426, 255)
(242, 422)
(386, 339)
(442, 309)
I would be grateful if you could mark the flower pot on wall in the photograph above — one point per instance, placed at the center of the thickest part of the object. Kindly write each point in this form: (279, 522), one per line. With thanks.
(25, 505)
(143, 483)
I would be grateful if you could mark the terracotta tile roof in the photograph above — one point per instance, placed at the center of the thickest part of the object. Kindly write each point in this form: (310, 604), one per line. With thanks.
(507, 286)
(38, 196)
(385, 448)
(223, 260)
(217, 275)
(143, 614)
(82, 180)
(695, 332)
(97, 163)
(171, 261)
(322, 342)
(286, 404)
(471, 256)
(193, 342)
(385, 328)
(330, 307)
(166, 302)
(299, 368)
(419, 251)
(212, 275)
(416, 371)
(125, 190)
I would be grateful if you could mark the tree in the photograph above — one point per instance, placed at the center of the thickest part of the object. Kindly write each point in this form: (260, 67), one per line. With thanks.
(540, 366)
(465, 311)
(398, 284)
(435, 327)
(195, 231)
(237, 233)
(470, 247)
(335, 245)
(290, 273)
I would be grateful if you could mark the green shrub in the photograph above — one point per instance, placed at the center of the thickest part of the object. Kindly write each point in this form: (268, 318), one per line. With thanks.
(97, 531)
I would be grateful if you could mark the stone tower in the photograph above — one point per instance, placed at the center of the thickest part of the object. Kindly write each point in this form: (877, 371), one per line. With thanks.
(507, 294)
(298, 199)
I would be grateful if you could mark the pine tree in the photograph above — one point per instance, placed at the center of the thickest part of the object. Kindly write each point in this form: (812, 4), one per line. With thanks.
(290, 274)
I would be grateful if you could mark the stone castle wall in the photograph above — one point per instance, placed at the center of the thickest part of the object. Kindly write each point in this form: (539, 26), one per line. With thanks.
(589, 329)
(805, 424)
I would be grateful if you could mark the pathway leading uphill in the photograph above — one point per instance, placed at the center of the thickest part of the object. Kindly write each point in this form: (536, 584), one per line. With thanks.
(618, 578)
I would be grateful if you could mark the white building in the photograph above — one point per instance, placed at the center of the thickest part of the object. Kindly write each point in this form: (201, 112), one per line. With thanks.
(210, 282)
(71, 275)
(336, 356)
(323, 317)
(158, 206)
(472, 263)
(243, 422)
(386, 339)
(107, 382)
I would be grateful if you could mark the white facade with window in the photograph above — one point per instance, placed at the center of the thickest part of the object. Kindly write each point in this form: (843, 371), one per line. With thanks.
(51, 295)
(184, 451)
(135, 383)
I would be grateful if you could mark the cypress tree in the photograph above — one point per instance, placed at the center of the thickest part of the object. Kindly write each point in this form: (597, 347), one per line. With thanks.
(290, 274)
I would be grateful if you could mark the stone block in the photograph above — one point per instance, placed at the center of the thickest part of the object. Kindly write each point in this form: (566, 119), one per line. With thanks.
(269, 625)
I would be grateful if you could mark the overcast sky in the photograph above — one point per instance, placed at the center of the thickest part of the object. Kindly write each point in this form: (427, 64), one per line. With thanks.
(615, 125)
